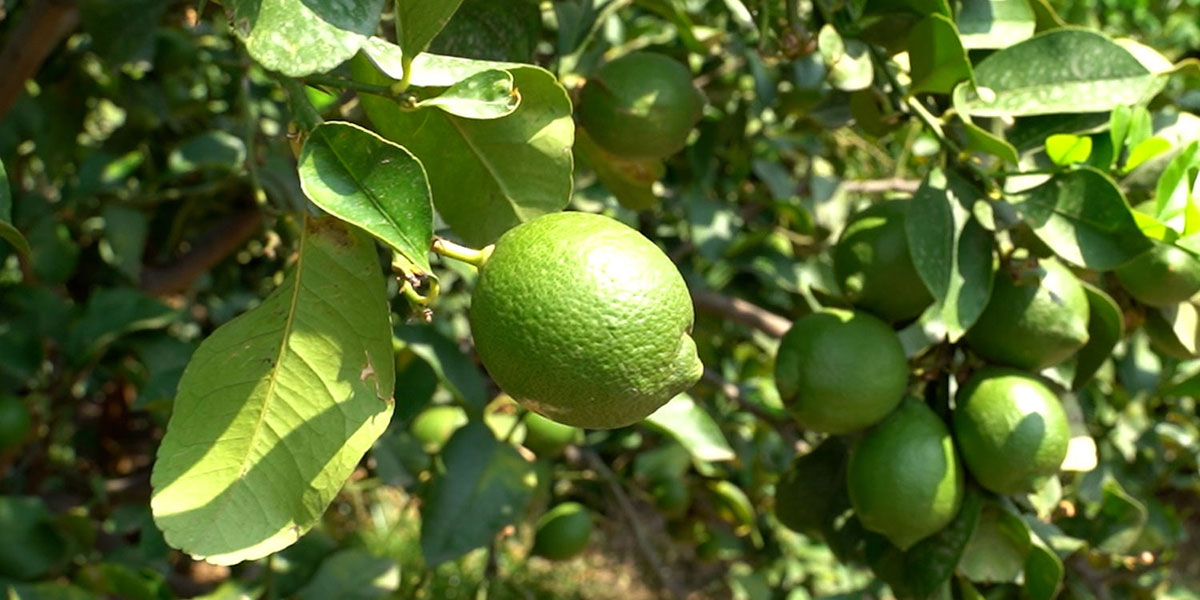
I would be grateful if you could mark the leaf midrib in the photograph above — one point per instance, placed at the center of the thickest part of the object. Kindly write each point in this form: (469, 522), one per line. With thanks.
(487, 165)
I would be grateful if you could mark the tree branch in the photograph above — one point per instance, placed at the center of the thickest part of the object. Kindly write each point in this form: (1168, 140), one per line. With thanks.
(42, 27)
(209, 249)
(736, 309)
(881, 186)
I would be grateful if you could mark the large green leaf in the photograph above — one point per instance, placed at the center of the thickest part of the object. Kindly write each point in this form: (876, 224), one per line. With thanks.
(277, 406)
(1084, 218)
(937, 56)
(7, 231)
(301, 37)
(485, 486)
(353, 574)
(419, 21)
(1060, 71)
(363, 179)
(487, 175)
(1106, 327)
(693, 427)
(950, 249)
(995, 23)
(631, 181)
(998, 547)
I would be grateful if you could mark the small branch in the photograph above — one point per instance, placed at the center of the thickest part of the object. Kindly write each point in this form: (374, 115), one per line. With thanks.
(392, 92)
(881, 186)
(635, 523)
(41, 28)
(742, 312)
(303, 112)
(471, 256)
(210, 249)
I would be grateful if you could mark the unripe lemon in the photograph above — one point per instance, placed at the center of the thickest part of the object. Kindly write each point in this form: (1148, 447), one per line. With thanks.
(839, 371)
(582, 319)
(1035, 322)
(1161, 276)
(434, 425)
(904, 479)
(873, 266)
(15, 423)
(563, 532)
(641, 105)
(1011, 429)
(547, 438)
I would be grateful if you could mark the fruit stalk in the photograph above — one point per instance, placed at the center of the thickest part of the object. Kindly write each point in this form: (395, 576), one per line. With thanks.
(471, 256)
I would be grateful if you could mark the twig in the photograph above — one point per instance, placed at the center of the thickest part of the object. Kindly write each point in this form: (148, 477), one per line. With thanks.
(211, 248)
(881, 186)
(42, 27)
(639, 534)
(741, 311)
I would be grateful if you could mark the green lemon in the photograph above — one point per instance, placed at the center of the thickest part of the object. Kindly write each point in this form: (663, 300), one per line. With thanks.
(1035, 322)
(839, 371)
(434, 425)
(641, 105)
(15, 423)
(1161, 276)
(563, 532)
(585, 321)
(904, 479)
(872, 264)
(547, 438)
(1011, 429)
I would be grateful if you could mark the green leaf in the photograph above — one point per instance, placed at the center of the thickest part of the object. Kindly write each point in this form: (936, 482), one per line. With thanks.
(928, 565)
(1084, 218)
(848, 61)
(937, 56)
(1106, 327)
(1060, 71)
(277, 406)
(30, 547)
(124, 242)
(811, 493)
(112, 313)
(7, 231)
(1066, 148)
(353, 574)
(487, 176)
(429, 70)
(485, 487)
(372, 183)
(484, 95)
(490, 30)
(1144, 151)
(693, 427)
(419, 21)
(1120, 519)
(981, 140)
(302, 37)
(998, 547)
(1118, 128)
(1043, 570)
(1172, 195)
(951, 251)
(1047, 18)
(630, 181)
(216, 150)
(455, 369)
(995, 23)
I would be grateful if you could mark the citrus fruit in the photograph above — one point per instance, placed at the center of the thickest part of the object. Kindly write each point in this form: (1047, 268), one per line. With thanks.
(1035, 322)
(873, 266)
(839, 371)
(904, 479)
(434, 425)
(1161, 276)
(547, 438)
(15, 422)
(563, 532)
(582, 319)
(1011, 430)
(641, 105)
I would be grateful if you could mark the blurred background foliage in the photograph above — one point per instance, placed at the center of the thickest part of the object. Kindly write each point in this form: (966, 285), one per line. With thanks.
(150, 160)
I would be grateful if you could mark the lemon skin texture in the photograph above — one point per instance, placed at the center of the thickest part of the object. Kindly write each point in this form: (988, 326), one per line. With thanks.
(1011, 429)
(563, 532)
(1162, 276)
(840, 371)
(874, 268)
(15, 423)
(585, 321)
(904, 479)
(641, 105)
(1034, 323)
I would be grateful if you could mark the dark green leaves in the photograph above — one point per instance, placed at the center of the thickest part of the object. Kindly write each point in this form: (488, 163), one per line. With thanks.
(301, 37)
(277, 406)
(7, 231)
(937, 56)
(1084, 218)
(1106, 327)
(372, 183)
(995, 23)
(419, 21)
(485, 486)
(950, 249)
(1061, 71)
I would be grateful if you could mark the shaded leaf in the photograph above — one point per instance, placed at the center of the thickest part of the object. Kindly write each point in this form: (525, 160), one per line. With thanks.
(372, 183)
(1043, 570)
(693, 427)
(485, 486)
(30, 547)
(998, 547)
(937, 56)
(419, 21)
(490, 30)
(112, 313)
(631, 181)
(1106, 327)
(928, 565)
(995, 23)
(277, 406)
(124, 242)
(353, 574)
(811, 493)
(7, 231)
(216, 150)
(301, 37)
(455, 369)
(981, 140)
(1084, 218)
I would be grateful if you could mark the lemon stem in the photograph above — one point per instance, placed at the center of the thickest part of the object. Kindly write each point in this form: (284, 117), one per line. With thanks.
(471, 256)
